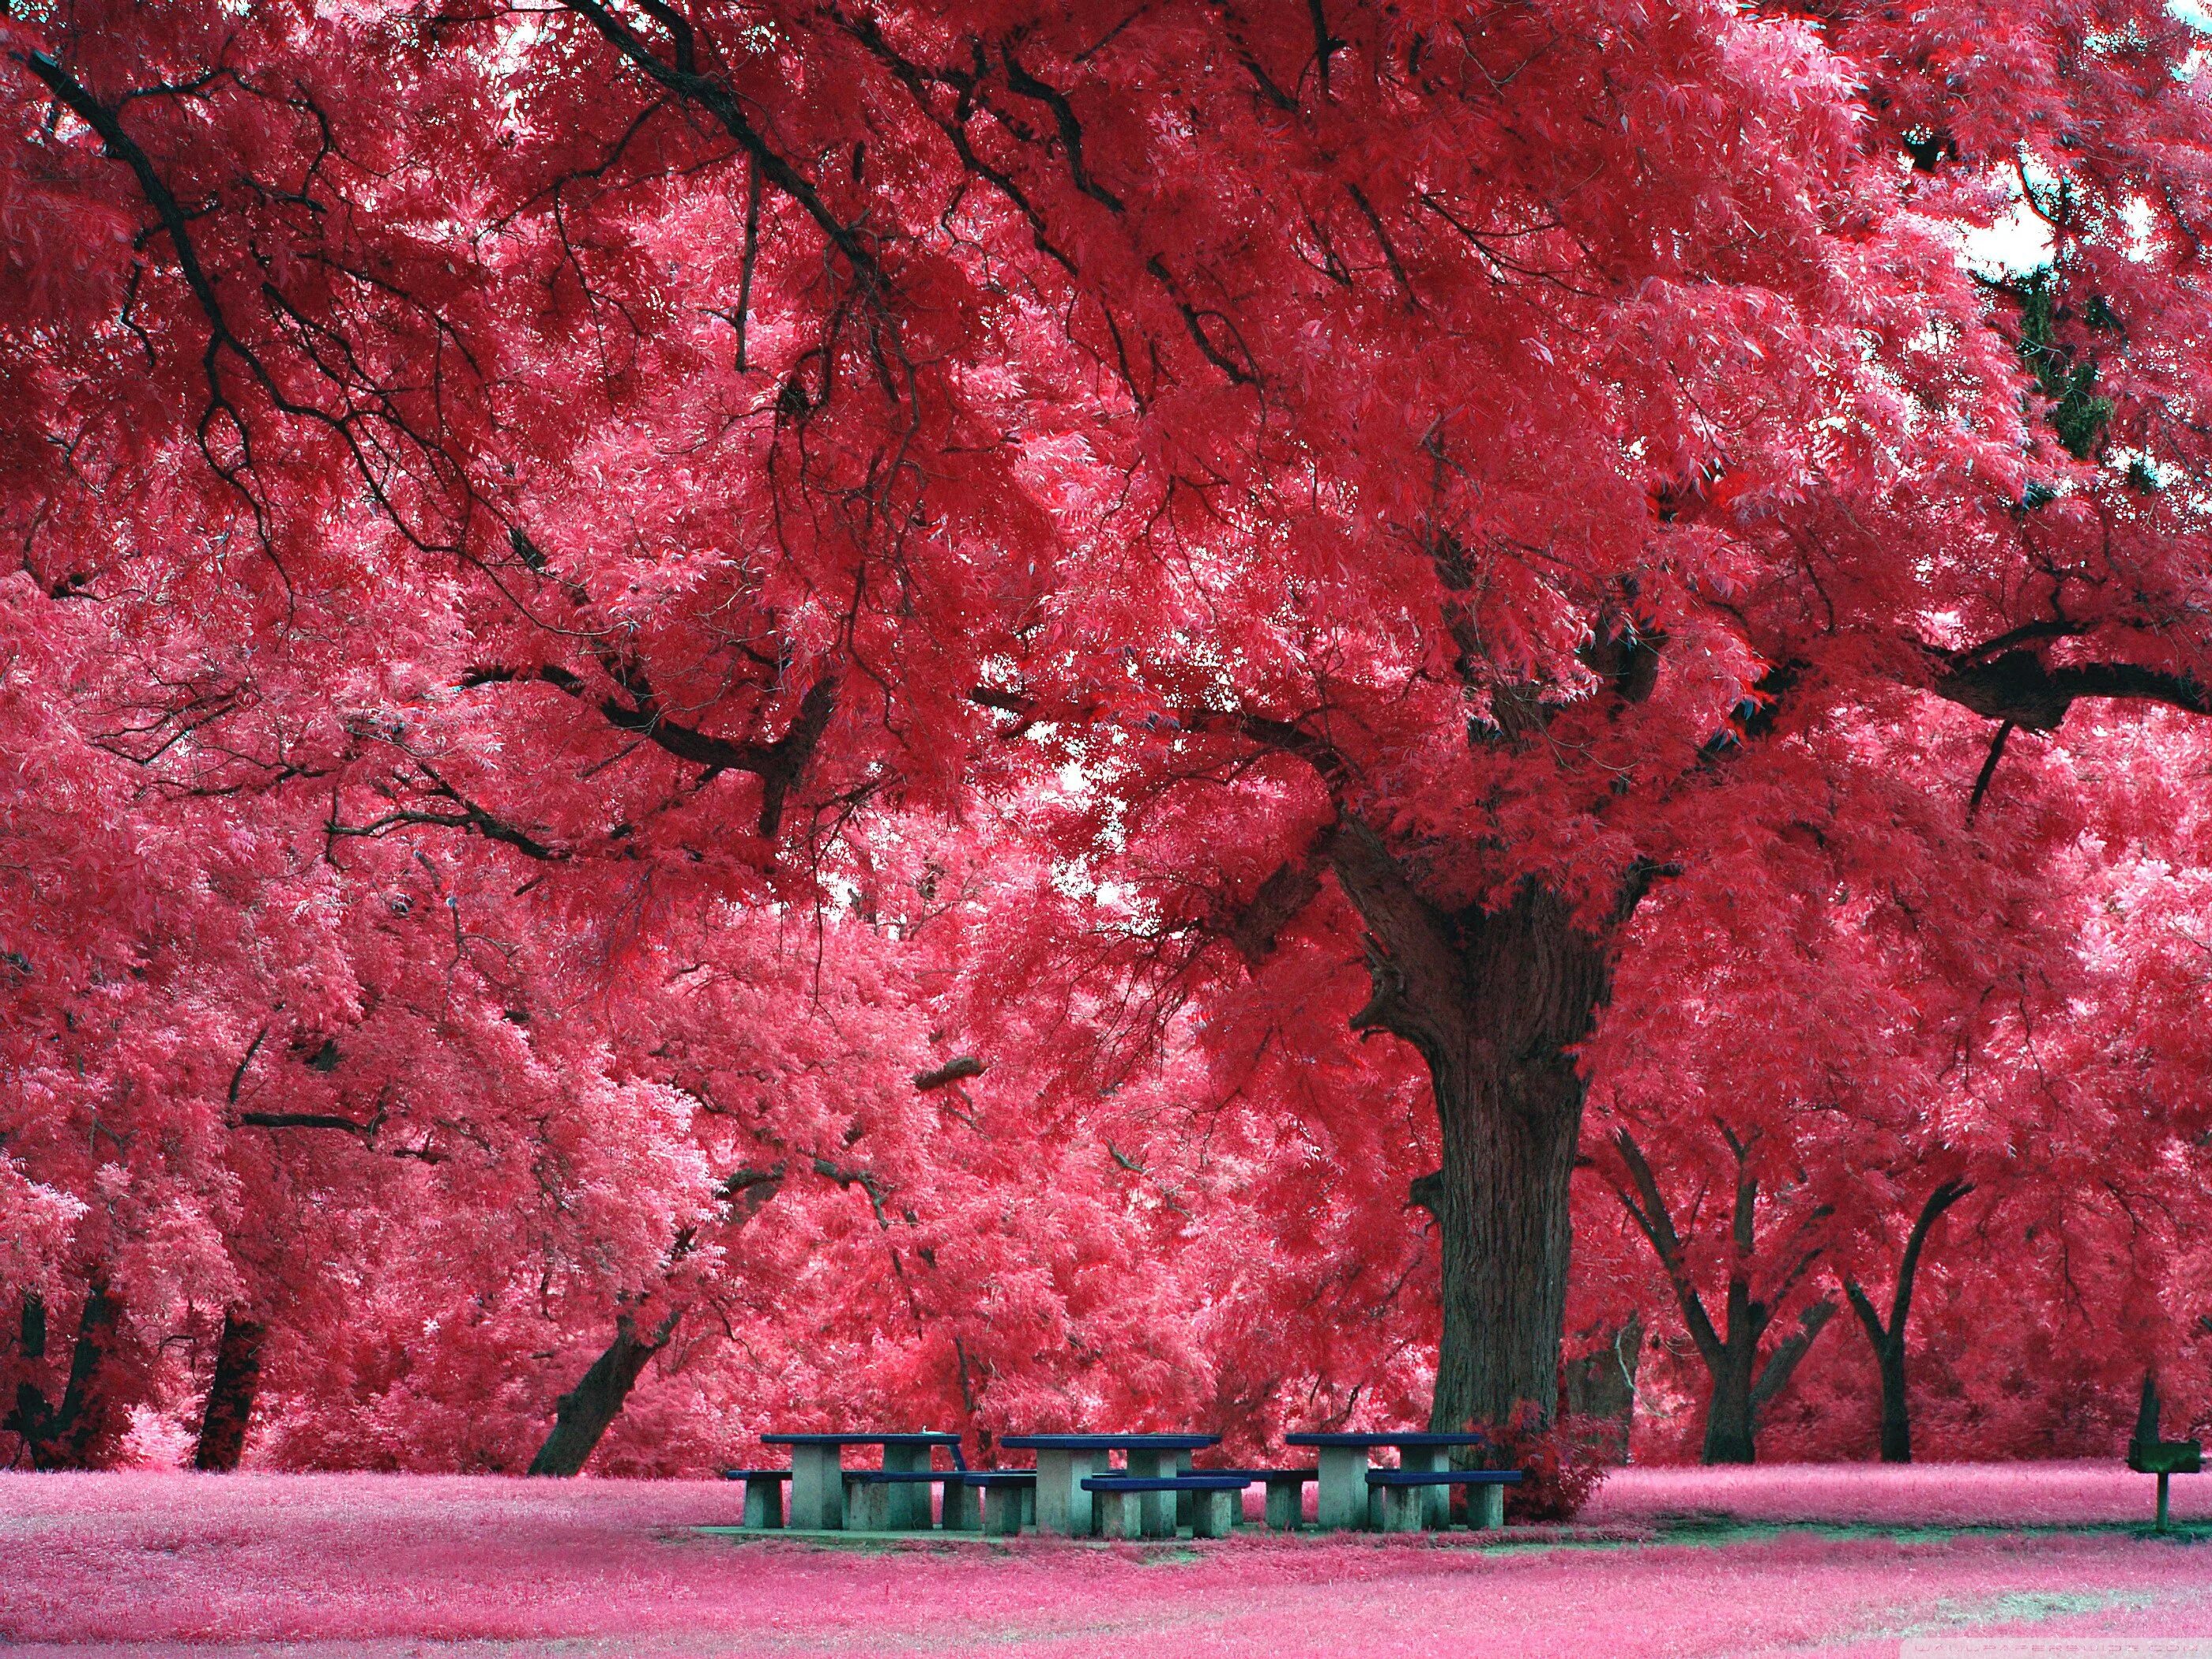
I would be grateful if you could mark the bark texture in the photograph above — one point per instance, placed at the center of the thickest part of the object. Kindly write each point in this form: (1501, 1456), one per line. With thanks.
(230, 1395)
(1888, 1339)
(1494, 1001)
(582, 1414)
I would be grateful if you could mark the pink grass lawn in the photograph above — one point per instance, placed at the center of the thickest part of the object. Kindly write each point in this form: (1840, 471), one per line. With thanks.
(305, 1566)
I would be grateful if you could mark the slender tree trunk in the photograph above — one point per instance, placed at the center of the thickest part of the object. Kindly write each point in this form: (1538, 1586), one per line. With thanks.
(69, 1436)
(1494, 1001)
(1896, 1418)
(230, 1395)
(582, 1415)
(1889, 1341)
(1602, 1385)
(1742, 1385)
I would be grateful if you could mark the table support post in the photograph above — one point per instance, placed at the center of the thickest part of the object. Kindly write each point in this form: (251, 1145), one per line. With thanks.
(1121, 1514)
(963, 1507)
(1002, 1511)
(2162, 1479)
(909, 1508)
(1062, 1505)
(1436, 1501)
(763, 1503)
(1342, 1503)
(818, 1488)
(1486, 1506)
(1157, 1509)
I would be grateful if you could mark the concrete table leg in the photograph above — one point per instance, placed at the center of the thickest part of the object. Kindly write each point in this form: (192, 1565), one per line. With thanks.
(868, 1506)
(1121, 1514)
(1186, 1511)
(765, 1503)
(1158, 1507)
(1342, 1506)
(818, 1489)
(1286, 1504)
(1405, 1509)
(908, 1507)
(1486, 1506)
(1002, 1511)
(1029, 1506)
(1213, 1514)
(1436, 1501)
(1062, 1505)
(963, 1513)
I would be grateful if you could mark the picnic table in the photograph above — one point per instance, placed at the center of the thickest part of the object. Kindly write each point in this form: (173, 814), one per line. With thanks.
(817, 1476)
(1065, 1461)
(1349, 1502)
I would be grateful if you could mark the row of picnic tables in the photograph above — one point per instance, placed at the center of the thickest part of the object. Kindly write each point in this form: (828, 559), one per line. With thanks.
(1077, 1489)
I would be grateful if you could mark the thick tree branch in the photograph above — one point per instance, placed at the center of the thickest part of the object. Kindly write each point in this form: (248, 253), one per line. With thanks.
(1657, 1226)
(1774, 1375)
(953, 1070)
(2019, 686)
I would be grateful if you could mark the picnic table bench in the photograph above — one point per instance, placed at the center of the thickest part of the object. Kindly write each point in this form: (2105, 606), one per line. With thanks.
(1350, 1500)
(763, 1494)
(1285, 1501)
(1130, 1506)
(1065, 1461)
(894, 1497)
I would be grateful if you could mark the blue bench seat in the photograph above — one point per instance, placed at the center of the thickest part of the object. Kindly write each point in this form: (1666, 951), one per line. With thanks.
(1286, 1508)
(1216, 1499)
(763, 1494)
(1007, 1498)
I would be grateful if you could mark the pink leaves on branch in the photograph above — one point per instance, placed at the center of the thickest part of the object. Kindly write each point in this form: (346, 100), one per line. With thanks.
(605, 614)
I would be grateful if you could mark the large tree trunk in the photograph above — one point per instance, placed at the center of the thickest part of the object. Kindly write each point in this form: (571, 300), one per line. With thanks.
(70, 1436)
(230, 1395)
(582, 1414)
(1508, 1153)
(1494, 1001)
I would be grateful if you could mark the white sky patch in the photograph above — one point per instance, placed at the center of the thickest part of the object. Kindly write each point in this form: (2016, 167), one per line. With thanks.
(2017, 244)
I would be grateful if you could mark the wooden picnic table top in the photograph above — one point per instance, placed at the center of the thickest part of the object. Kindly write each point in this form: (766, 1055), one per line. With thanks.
(1412, 1437)
(925, 1439)
(1110, 1442)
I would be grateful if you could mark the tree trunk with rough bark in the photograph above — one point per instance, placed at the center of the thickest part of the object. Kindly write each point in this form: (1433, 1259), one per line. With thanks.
(230, 1395)
(581, 1415)
(1494, 1001)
